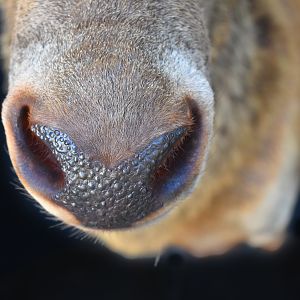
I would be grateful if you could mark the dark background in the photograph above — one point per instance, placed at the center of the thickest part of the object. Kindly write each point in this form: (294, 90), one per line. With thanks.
(40, 261)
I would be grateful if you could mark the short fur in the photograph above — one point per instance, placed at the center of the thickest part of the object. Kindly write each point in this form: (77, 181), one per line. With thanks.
(154, 50)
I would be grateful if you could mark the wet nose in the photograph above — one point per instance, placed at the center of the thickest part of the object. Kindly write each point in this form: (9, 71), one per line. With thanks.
(110, 197)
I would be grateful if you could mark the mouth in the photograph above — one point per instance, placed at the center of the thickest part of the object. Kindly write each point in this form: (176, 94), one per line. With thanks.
(133, 192)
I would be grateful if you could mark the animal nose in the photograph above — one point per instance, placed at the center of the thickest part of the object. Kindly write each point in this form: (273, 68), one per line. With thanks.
(98, 195)
(110, 197)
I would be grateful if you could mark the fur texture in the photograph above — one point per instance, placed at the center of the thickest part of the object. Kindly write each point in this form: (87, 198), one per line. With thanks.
(238, 59)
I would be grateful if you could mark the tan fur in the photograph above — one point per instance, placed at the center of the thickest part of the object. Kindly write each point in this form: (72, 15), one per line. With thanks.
(248, 190)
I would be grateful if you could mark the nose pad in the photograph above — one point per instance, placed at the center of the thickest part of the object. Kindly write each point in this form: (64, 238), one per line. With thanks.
(111, 197)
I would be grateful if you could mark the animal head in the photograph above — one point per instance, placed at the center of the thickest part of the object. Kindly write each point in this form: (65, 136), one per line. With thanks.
(109, 112)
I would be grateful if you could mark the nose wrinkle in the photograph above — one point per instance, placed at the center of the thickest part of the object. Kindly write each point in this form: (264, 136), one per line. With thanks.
(103, 197)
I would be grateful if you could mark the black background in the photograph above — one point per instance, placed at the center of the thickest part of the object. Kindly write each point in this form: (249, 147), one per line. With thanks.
(40, 261)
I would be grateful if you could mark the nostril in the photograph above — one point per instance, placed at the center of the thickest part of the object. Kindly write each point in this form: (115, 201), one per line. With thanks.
(36, 162)
(172, 175)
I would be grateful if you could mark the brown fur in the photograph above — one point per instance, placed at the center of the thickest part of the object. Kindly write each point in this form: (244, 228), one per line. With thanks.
(254, 57)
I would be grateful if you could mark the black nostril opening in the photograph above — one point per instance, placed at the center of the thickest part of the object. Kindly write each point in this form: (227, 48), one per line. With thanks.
(38, 164)
(173, 173)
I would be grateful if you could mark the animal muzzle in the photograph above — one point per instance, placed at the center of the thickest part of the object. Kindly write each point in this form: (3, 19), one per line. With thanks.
(86, 191)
